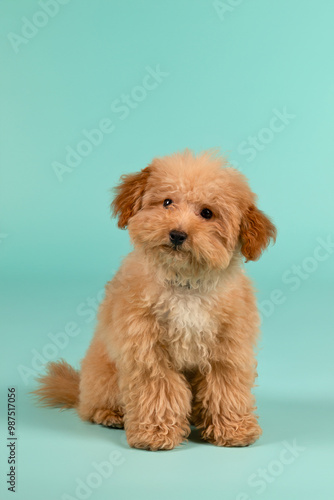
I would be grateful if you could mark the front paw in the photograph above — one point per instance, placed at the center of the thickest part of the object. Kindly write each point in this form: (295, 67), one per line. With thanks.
(156, 437)
(242, 431)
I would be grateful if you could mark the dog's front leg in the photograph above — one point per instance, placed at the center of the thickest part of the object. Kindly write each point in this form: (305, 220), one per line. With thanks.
(223, 405)
(157, 400)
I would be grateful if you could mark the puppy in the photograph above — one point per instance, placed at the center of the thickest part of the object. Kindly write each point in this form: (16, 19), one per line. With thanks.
(176, 331)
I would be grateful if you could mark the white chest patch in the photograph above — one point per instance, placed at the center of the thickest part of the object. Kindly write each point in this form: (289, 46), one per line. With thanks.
(189, 326)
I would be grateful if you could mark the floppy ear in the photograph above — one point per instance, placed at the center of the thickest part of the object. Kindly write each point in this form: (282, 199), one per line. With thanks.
(129, 195)
(256, 232)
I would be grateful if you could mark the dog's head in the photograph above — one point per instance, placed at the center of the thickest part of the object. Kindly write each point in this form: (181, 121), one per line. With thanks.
(192, 211)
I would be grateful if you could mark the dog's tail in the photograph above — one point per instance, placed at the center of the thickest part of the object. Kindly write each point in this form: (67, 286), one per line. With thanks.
(59, 387)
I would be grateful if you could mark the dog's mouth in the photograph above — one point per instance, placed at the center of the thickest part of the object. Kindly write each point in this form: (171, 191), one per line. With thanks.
(178, 254)
(169, 247)
(174, 253)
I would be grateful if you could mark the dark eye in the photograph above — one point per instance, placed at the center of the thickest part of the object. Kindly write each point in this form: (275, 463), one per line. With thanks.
(167, 202)
(206, 213)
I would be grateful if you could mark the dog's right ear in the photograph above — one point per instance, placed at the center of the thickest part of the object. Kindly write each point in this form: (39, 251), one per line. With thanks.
(129, 193)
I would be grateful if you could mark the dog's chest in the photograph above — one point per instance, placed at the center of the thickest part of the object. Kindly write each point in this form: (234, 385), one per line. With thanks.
(189, 327)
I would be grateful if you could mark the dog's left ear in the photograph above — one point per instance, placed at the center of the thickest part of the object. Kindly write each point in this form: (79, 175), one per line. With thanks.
(256, 232)
(129, 195)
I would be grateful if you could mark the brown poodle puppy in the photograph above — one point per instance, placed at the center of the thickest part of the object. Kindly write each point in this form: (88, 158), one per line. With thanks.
(177, 328)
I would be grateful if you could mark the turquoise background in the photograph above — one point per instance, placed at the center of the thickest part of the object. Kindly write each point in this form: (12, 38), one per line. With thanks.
(228, 69)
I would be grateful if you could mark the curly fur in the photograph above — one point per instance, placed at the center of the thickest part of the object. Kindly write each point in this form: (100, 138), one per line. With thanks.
(177, 328)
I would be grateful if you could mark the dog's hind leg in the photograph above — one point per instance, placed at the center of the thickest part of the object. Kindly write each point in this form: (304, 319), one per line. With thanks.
(99, 400)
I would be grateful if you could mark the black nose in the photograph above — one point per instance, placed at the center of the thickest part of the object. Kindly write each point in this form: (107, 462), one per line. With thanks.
(177, 237)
